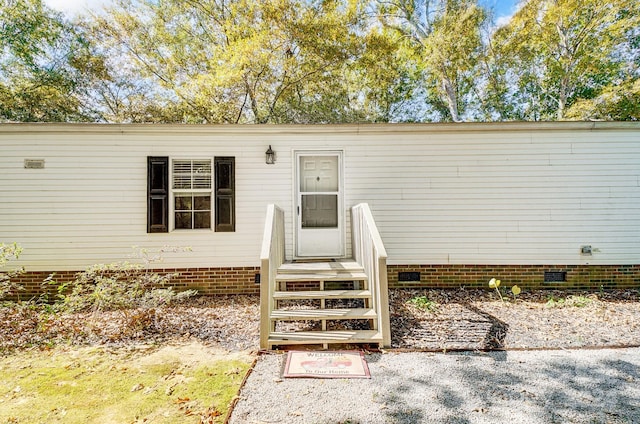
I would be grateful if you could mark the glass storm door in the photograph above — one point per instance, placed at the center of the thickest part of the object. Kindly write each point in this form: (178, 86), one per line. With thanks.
(319, 216)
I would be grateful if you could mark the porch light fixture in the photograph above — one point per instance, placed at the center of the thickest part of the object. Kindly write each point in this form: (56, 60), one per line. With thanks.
(271, 156)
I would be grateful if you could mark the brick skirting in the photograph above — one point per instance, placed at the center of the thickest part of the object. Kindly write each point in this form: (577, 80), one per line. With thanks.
(242, 280)
(576, 277)
(208, 281)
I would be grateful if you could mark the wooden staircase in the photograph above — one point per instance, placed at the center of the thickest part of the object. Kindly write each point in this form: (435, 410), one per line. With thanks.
(321, 286)
(324, 302)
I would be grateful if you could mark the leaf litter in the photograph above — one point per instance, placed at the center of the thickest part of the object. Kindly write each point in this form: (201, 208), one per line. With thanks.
(422, 319)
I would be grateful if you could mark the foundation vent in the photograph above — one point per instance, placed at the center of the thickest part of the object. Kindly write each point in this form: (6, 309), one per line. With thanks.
(555, 276)
(408, 277)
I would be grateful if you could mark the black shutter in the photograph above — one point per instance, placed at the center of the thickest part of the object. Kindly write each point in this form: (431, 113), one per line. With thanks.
(225, 194)
(157, 194)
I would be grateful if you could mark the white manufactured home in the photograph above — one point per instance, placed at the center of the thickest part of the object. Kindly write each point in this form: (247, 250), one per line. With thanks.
(536, 204)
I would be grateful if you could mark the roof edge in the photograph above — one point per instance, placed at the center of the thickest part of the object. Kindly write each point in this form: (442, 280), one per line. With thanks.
(104, 128)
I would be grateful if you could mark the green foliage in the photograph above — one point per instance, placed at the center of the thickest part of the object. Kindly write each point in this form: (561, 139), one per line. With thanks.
(495, 284)
(9, 252)
(614, 103)
(515, 291)
(558, 53)
(132, 289)
(46, 65)
(244, 61)
(119, 286)
(446, 44)
(575, 301)
(423, 303)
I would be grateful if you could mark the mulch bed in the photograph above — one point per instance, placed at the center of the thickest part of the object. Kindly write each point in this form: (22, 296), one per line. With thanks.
(478, 320)
(454, 320)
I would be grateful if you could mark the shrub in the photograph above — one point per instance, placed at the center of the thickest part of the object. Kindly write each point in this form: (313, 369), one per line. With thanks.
(131, 289)
(9, 252)
(423, 303)
(119, 286)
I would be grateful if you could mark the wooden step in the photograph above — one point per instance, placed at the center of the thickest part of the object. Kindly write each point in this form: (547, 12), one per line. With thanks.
(325, 266)
(321, 314)
(322, 294)
(322, 276)
(321, 337)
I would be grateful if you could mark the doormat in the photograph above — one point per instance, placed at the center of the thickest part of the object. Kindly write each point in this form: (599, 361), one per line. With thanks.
(335, 364)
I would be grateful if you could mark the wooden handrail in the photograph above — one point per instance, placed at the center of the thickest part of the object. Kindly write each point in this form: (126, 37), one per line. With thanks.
(369, 252)
(271, 257)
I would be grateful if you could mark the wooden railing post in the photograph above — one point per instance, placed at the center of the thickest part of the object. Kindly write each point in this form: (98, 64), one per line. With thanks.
(271, 257)
(369, 251)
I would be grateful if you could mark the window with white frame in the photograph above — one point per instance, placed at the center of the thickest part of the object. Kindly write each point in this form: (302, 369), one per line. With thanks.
(191, 188)
(199, 193)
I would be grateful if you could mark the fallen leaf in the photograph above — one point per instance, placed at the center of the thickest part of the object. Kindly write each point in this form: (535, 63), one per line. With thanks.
(233, 371)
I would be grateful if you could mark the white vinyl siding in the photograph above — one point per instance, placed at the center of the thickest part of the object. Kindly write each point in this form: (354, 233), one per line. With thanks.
(440, 194)
(502, 198)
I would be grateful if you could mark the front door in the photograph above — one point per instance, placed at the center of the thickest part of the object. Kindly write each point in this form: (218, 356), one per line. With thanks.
(319, 216)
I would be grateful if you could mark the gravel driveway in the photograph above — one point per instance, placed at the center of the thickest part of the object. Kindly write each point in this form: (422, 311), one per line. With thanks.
(543, 386)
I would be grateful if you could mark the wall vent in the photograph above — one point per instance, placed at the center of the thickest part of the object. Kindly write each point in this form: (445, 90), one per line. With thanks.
(34, 164)
(408, 276)
(555, 276)
(256, 278)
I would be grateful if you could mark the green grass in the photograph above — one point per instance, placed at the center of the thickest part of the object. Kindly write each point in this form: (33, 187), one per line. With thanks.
(94, 386)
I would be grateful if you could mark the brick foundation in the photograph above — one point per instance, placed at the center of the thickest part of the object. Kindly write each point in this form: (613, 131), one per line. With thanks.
(241, 280)
(208, 281)
(526, 276)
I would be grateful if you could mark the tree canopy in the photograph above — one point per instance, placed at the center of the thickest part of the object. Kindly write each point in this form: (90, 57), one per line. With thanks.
(46, 66)
(320, 61)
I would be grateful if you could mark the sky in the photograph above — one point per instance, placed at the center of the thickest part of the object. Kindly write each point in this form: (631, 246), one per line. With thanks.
(504, 8)
(74, 7)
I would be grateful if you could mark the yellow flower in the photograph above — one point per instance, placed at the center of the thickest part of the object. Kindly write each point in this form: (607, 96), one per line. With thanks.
(515, 290)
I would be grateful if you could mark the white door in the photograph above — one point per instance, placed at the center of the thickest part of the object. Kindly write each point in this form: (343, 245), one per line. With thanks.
(319, 216)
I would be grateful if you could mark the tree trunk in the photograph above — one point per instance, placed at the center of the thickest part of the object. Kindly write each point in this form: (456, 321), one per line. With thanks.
(451, 98)
(562, 98)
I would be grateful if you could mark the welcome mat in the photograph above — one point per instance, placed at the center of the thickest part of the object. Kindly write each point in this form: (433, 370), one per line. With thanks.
(335, 364)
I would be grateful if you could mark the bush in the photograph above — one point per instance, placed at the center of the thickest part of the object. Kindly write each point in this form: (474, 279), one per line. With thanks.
(119, 286)
(131, 289)
(9, 252)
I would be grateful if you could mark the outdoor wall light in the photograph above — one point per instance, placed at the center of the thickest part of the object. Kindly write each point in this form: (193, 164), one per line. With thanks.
(586, 250)
(271, 156)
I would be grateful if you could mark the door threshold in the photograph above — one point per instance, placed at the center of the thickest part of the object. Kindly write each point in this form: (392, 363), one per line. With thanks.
(312, 260)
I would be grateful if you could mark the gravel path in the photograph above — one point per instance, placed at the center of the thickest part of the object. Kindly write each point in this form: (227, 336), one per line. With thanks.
(542, 386)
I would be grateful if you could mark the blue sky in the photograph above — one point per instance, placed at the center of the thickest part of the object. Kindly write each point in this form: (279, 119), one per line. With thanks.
(503, 8)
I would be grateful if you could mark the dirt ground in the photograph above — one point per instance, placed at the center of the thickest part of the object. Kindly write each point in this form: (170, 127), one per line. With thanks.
(434, 320)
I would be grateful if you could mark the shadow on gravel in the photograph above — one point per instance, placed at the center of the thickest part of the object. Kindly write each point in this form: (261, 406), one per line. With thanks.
(395, 406)
(556, 390)
(606, 391)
